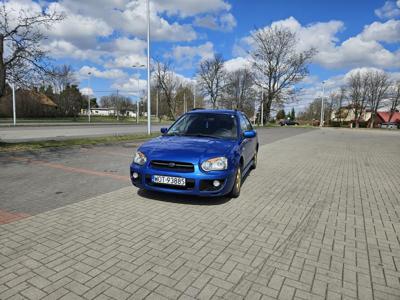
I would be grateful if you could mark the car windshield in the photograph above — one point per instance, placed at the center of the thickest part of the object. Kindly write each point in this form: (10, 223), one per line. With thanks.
(205, 125)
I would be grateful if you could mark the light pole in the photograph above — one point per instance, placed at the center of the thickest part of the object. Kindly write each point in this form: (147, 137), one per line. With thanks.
(194, 95)
(321, 122)
(262, 107)
(88, 94)
(138, 66)
(148, 70)
(13, 102)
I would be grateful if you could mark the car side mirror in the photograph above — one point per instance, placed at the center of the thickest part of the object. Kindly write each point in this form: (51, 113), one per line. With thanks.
(248, 134)
(164, 130)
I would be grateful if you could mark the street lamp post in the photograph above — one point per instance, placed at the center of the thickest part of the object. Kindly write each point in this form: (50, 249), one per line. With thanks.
(13, 102)
(88, 94)
(262, 107)
(194, 95)
(321, 122)
(139, 66)
(148, 70)
(138, 100)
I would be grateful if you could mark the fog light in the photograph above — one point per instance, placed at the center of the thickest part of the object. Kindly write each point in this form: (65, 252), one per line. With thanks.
(216, 183)
(135, 175)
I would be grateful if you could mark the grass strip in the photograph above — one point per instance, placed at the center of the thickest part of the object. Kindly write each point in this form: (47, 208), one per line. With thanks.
(38, 145)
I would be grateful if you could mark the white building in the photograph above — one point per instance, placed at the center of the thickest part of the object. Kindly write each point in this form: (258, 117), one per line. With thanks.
(108, 111)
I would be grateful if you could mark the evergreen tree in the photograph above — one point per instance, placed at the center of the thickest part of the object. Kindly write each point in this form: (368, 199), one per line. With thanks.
(281, 114)
(293, 114)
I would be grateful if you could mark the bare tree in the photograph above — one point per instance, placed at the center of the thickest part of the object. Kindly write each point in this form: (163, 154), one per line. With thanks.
(168, 83)
(277, 64)
(22, 59)
(239, 92)
(378, 85)
(62, 76)
(395, 99)
(359, 89)
(211, 78)
(120, 103)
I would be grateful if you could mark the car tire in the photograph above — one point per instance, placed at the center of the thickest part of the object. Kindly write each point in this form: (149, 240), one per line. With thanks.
(237, 184)
(254, 165)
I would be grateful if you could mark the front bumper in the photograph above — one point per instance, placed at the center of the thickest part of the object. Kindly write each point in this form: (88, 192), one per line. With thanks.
(197, 182)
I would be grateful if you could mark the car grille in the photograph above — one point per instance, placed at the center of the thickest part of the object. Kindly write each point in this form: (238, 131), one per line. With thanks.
(172, 166)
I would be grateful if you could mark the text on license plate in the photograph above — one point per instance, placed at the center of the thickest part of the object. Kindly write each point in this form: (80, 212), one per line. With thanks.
(169, 180)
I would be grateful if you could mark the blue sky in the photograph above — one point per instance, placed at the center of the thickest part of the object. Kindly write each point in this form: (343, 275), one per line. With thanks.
(106, 37)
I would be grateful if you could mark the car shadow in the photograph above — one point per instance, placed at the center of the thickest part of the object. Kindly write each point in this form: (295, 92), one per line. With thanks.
(187, 199)
(183, 199)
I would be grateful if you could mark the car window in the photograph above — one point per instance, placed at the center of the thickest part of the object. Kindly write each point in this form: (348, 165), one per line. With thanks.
(249, 126)
(245, 123)
(205, 124)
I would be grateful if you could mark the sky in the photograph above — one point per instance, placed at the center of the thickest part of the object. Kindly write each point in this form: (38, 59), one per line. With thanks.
(108, 37)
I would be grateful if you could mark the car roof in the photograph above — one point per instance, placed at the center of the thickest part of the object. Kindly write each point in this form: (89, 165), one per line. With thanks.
(215, 111)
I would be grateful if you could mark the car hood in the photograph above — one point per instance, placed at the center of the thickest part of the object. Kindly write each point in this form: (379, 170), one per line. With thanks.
(186, 149)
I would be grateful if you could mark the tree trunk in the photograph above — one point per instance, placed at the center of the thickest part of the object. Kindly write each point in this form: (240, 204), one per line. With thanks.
(372, 121)
(2, 68)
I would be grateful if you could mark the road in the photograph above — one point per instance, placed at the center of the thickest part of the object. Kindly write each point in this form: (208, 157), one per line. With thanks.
(318, 219)
(37, 133)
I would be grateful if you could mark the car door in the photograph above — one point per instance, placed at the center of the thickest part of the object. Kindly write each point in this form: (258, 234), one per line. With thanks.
(253, 141)
(246, 143)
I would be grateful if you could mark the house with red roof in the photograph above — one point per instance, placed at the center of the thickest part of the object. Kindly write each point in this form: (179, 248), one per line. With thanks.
(385, 117)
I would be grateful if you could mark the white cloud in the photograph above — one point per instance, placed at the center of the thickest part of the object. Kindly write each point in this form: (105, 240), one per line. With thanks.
(385, 32)
(106, 74)
(61, 49)
(185, 56)
(185, 8)
(224, 22)
(357, 51)
(236, 64)
(78, 29)
(389, 10)
(132, 86)
(127, 61)
(133, 20)
(86, 91)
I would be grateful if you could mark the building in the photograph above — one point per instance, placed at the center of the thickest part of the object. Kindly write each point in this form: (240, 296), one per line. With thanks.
(386, 117)
(108, 112)
(346, 114)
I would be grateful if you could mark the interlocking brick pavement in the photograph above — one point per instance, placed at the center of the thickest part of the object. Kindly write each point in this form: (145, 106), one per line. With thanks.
(318, 219)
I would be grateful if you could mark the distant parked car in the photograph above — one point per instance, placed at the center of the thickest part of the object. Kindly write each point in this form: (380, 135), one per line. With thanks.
(390, 125)
(288, 123)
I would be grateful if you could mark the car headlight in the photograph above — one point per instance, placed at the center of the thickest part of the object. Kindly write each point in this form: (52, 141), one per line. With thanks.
(139, 158)
(215, 164)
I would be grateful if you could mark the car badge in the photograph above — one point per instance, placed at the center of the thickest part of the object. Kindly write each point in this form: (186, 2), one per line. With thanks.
(171, 164)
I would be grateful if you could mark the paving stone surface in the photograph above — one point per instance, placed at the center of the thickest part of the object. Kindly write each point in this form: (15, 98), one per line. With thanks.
(318, 219)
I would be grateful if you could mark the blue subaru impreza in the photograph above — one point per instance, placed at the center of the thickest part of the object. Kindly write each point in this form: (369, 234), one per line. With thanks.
(204, 153)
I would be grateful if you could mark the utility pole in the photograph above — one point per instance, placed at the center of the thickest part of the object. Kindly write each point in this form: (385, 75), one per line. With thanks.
(148, 71)
(158, 95)
(14, 110)
(184, 102)
(137, 102)
(262, 107)
(321, 122)
(194, 96)
(116, 107)
(89, 112)
(137, 65)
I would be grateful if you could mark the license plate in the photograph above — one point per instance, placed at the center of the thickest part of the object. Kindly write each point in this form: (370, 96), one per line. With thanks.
(169, 180)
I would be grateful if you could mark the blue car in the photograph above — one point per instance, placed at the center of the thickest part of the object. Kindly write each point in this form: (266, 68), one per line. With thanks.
(204, 153)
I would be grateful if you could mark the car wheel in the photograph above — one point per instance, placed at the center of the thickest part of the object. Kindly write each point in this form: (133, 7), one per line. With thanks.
(238, 183)
(254, 166)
